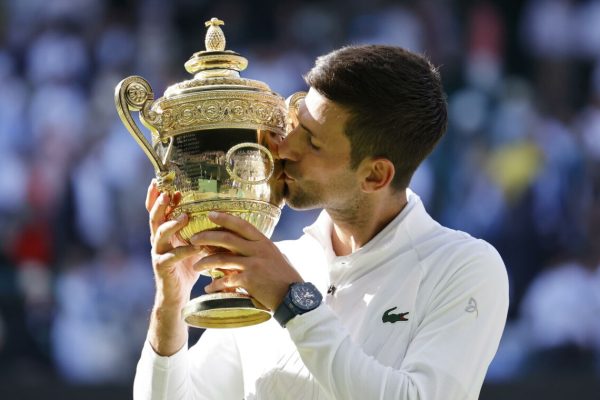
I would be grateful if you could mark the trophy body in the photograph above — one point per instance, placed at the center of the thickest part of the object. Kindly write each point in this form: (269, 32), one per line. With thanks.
(211, 140)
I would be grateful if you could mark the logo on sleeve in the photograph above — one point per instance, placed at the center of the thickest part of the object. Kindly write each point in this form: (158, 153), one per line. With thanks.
(391, 318)
(472, 307)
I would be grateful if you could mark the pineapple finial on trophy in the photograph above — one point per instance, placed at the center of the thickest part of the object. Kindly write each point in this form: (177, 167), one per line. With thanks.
(215, 61)
(215, 38)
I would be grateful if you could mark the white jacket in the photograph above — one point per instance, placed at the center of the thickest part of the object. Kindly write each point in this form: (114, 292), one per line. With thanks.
(417, 314)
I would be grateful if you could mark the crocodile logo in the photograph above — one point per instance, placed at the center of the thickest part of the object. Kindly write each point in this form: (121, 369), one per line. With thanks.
(391, 318)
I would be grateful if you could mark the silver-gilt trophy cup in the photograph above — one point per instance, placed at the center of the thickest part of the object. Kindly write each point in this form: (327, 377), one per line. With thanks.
(211, 140)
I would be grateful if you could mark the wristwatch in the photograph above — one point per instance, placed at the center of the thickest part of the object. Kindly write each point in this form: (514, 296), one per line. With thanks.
(301, 298)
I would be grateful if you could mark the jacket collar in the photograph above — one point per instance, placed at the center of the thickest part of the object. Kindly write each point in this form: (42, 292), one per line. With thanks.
(397, 237)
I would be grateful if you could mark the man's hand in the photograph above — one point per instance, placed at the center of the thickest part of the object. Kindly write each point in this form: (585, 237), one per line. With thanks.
(261, 269)
(172, 259)
(173, 264)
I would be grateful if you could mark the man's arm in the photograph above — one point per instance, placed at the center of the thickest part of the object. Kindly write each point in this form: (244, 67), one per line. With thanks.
(165, 370)
(211, 369)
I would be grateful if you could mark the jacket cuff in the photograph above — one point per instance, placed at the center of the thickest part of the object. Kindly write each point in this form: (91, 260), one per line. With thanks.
(164, 362)
(303, 326)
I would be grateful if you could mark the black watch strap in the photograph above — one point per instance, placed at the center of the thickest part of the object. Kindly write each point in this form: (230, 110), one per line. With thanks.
(283, 313)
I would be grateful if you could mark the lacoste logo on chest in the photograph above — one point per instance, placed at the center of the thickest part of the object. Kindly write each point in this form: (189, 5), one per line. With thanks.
(392, 318)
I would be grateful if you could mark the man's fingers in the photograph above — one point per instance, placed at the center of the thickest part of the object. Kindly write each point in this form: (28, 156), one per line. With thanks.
(232, 280)
(175, 200)
(164, 232)
(151, 195)
(223, 239)
(220, 261)
(158, 212)
(236, 224)
(178, 254)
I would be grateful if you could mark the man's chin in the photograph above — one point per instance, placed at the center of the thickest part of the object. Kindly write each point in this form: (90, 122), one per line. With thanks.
(298, 200)
(297, 207)
(298, 203)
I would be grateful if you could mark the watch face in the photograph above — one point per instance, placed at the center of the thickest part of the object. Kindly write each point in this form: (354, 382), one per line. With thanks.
(305, 296)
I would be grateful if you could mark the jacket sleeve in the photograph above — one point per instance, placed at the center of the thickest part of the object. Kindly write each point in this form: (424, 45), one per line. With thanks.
(447, 357)
(210, 370)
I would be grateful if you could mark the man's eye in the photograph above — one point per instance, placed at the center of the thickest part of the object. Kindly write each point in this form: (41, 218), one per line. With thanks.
(309, 137)
(311, 142)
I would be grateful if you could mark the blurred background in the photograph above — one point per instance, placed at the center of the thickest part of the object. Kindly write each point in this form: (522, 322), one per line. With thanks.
(518, 167)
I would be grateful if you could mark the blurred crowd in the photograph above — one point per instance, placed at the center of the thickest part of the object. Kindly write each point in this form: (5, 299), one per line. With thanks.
(518, 167)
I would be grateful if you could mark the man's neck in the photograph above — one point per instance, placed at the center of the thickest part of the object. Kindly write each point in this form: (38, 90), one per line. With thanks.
(351, 232)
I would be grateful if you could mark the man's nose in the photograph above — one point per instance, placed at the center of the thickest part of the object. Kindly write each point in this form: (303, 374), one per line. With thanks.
(289, 148)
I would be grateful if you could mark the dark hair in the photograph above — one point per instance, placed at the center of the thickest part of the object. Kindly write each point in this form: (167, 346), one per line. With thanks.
(396, 102)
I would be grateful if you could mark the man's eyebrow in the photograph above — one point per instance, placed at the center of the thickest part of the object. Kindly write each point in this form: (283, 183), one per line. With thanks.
(305, 128)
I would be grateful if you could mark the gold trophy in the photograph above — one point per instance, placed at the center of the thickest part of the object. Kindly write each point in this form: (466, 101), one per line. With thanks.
(212, 138)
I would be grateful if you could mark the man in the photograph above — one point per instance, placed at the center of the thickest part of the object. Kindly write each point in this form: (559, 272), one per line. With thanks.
(414, 310)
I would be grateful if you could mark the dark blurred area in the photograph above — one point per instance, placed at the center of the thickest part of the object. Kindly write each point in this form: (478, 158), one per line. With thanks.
(518, 167)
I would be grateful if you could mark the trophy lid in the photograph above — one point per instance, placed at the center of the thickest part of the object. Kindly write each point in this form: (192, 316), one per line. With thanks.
(217, 97)
(215, 66)
(215, 57)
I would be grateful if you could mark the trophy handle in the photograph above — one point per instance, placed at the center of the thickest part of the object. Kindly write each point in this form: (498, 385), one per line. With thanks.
(293, 104)
(134, 94)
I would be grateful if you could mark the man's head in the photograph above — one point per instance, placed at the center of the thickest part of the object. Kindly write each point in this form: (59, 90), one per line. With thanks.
(395, 101)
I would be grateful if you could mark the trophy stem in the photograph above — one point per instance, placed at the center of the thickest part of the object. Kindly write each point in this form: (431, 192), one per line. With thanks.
(224, 310)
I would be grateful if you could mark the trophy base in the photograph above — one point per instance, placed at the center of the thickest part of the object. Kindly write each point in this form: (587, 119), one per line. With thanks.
(224, 310)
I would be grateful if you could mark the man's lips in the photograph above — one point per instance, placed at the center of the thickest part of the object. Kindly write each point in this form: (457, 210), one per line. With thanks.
(287, 176)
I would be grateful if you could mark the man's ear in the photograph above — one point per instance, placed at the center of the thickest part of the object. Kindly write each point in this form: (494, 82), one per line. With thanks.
(376, 174)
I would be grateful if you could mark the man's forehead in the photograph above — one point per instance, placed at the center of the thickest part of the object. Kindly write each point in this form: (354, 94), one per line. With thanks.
(319, 109)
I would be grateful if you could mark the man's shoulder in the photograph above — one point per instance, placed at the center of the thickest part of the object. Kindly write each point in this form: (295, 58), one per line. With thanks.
(449, 251)
(455, 241)
(454, 264)
(429, 238)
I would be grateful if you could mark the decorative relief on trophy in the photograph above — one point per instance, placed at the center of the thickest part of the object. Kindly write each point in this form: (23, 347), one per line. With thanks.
(211, 140)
